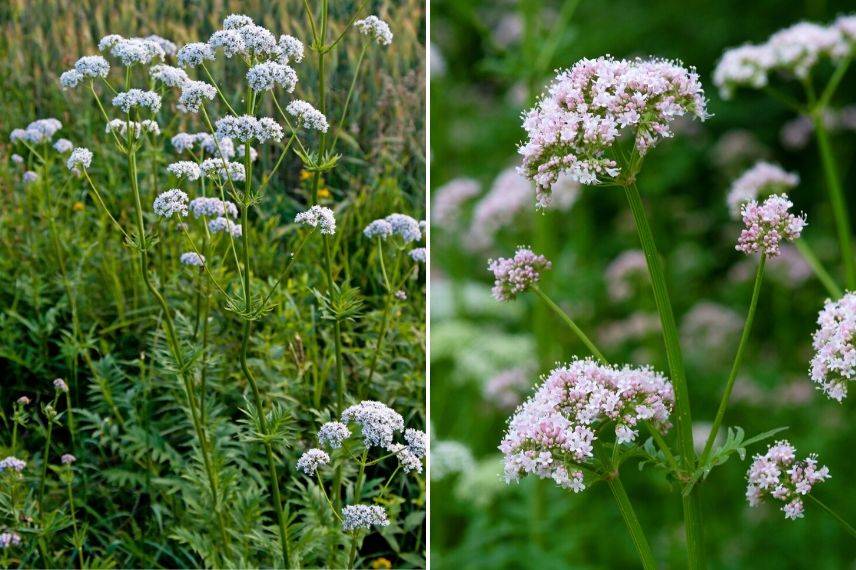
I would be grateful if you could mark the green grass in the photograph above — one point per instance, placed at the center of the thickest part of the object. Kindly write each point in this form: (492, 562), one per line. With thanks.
(74, 304)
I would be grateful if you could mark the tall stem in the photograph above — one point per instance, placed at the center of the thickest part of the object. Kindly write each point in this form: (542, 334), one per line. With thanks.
(172, 340)
(738, 359)
(836, 196)
(245, 341)
(692, 513)
(633, 526)
(571, 324)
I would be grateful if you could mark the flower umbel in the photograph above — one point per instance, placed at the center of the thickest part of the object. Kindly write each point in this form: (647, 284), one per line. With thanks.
(833, 365)
(515, 275)
(767, 224)
(778, 475)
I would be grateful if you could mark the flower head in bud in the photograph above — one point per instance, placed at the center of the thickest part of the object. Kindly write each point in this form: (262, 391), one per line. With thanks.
(375, 29)
(767, 224)
(515, 275)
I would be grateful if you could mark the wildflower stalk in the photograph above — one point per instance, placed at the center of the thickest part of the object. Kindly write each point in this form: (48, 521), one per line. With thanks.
(836, 196)
(172, 336)
(836, 516)
(633, 526)
(350, 93)
(386, 310)
(822, 275)
(571, 324)
(692, 511)
(245, 340)
(352, 555)
(45, 458)
(738, 359)
(77, 539)
(337, 336)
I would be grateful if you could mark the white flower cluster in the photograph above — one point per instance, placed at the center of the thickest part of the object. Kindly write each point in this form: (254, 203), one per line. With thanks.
(195, 54)
(172, 203)
(307, 116)
(376, 29)
(212, 207)
(92, 66)
(246, 128)
(185, 169)
(332, 434)
(169, 75)
(404, 226)
(759, 181)
(418, 254)
(193, 95)
(378, 421)
(39, 131)
(587, 108)
(13, 464)
(131, 51)
(9, 539)
(318, 215)
(778, 475)
(79, 157)
(552, 434)
(291, 48)
(225, 225)
(356, 517)
(792, 51)
(217, 168)
(193, 259)
(311, 460)
(121, 126)
(266, 75)
(833, 365)
(132, 98)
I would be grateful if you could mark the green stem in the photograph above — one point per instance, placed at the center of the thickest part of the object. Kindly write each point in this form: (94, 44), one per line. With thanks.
(352, 555)
(348, 98)
(738, 359)
(692, 514)
(836, 196)
(633, 526)
(245, 340)
(172, 340)
(571, 324)
(337, 332)
(823, 276)
(834, 515)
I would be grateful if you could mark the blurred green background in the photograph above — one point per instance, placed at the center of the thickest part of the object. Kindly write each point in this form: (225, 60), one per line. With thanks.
(489, 60)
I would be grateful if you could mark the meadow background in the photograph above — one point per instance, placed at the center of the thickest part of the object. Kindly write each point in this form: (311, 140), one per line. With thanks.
(137, 464)
(489, 61)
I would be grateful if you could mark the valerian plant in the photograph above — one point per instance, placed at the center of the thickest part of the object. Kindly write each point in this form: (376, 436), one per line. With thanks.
(219, 466)
(596, 123)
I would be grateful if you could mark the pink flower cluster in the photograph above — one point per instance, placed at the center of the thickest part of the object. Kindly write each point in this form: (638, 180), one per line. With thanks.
(792, 51)
(589, 106)
(778, 475)
(552, 434)
(767, 224)
(515, 275)
(833, 365)
(762, 179)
